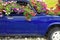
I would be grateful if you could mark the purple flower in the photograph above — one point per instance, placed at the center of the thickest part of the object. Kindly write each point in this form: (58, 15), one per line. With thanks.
(20, 11)
(44, 8)
(14, 9)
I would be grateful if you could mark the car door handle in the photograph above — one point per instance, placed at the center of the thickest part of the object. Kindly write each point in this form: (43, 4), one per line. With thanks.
(10, 18)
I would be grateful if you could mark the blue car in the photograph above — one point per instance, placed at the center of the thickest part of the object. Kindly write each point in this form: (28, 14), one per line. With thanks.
(40, 25)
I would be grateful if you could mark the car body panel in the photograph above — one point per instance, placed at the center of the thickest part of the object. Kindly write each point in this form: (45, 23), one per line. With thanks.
(19, 25)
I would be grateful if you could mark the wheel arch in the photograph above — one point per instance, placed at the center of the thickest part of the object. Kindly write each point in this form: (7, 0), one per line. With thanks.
(51, 26)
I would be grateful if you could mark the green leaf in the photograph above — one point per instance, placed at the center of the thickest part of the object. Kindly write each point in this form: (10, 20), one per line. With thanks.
(58, 13)
(51, 13)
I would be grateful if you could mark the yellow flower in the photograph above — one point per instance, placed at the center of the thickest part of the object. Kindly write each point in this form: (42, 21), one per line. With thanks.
(51, 3)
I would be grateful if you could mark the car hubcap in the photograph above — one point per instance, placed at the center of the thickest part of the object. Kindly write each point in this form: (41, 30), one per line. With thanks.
(56, 35)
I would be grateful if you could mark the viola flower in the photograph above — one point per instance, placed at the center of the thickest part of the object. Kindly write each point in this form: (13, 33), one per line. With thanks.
(21, 11)
(15, 9)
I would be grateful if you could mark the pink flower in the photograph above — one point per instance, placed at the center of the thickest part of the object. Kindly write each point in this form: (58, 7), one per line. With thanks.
(9, 2)
(4, 11)
(14, 4)
(17, 9)
(4, 4)
(12, 1)
(39, 0)
(44, 5)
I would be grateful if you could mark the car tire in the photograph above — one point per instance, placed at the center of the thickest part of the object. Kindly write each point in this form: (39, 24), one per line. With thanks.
(54, 34)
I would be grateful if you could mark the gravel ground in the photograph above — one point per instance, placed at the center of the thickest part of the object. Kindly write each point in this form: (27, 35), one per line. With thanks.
(30, 38)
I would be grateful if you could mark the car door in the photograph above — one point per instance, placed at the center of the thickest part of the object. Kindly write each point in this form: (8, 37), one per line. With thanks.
(18, 25)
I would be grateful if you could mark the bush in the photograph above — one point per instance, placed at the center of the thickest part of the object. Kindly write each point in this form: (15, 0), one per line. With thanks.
(51, 13)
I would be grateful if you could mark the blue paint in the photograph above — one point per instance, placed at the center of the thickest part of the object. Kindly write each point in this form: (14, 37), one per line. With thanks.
(19, 25)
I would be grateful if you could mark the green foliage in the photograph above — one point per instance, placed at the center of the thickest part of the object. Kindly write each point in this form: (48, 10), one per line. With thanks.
(15, 5)
(1, 6)
(59, 13)
(39, 7)
(8, 9)
(51, 13)
(9, 6)
(27, 10)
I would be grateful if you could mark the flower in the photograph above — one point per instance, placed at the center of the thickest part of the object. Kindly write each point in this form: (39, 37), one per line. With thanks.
(4, 4)
(20, 11)
(9, 2)
(40, 0)
(4, 11)
(12, 1)
(17, 9)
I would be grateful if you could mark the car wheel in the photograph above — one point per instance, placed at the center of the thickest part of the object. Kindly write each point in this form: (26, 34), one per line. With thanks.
(54, 34)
